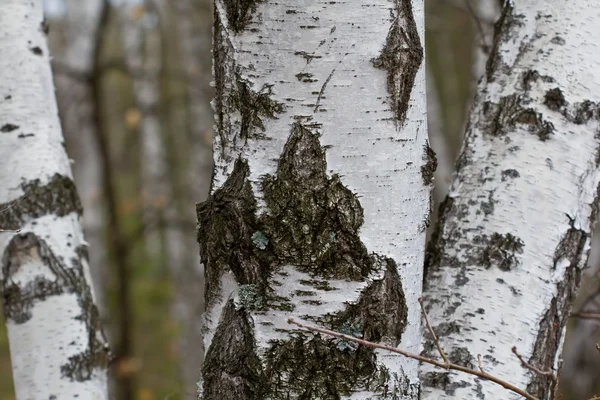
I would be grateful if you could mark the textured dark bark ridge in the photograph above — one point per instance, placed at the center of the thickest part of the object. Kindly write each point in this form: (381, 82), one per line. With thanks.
(401, 57)
(58, 196)
(19, 300)
(239, 13)
(312, 223)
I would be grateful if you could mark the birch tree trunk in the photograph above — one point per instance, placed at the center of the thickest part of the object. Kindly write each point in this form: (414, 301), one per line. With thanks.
(56, 343)
(505, 262)
(143, 57)
(319, 200)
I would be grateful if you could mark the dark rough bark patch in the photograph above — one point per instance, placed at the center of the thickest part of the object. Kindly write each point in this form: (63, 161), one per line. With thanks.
(434, 252)
(239, 13)
(381, 312)
(58, 197)
(503, 30)
(313, 367)
(428, 170)
(401, 57)
(554, 99)
(461, 356)
(313, 220)
(227, 221)
(571, 247)
(510, 173)
(36, 50)
(6, 128)
(231, 369)
(502, 117)
(499, 251)
(442, 380)
(234, 94)
(19, 300)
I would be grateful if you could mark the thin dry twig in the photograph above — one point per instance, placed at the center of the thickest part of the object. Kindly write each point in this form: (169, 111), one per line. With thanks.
(430, 329)
(585, 315)
(456, 367)
(527, 365)
(598, 347)
(480, 363)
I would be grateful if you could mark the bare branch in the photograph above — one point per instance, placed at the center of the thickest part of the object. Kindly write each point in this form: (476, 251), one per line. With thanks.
(585, 315)
(480, 363)
(430, 329)
(527, 365)
(417, 357)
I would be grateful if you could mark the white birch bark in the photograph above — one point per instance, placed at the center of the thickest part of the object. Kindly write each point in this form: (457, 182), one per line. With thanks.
(319, 201)
(504, 266)
(56, 344)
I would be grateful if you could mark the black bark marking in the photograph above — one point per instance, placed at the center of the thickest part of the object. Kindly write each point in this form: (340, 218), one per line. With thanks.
(320, 369)
(228, 221)
(498, 250)
(504, 29)
(36, 50)
(312, 222)
(6, 128)
(232, 370)
(401, 57)
(322, 91)
(19, 300)
(441, 380)
(428, 169)
(502, 117)
(58, 196)
(239, 13)
(510, 173)
(554, 99)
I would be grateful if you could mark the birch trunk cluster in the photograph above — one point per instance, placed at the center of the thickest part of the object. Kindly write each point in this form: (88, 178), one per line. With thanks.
(56, 343)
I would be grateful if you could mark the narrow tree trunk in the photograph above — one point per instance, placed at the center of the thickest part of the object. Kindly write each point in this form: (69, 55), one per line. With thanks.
(76, 108)
(143, 57)
(320, 199)
(505, 262)
(57, 347)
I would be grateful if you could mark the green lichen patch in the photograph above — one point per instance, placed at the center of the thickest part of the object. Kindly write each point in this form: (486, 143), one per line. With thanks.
(239, 13)
(251, 297)
(499, 250)
(19, 299)
(401, 58)
(231, 369)
(381, 309)
(228, 222)
(313, 220)
(428, 170)
(312, 367)
(502, 117)
(58, 197)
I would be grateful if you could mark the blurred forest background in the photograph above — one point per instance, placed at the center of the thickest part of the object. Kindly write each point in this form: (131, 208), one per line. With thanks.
(133, 87)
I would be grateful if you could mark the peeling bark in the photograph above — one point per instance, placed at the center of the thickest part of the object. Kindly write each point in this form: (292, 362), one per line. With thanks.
(505, 261)
(57, 346)
(314, 172)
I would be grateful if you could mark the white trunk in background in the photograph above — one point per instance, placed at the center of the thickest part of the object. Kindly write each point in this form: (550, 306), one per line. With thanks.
(56, 344)
(320, 113)
(504, 265)
(142, 43)
(76, 109)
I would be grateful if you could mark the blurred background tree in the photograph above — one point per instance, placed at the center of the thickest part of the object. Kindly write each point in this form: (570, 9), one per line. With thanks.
(133, 86)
